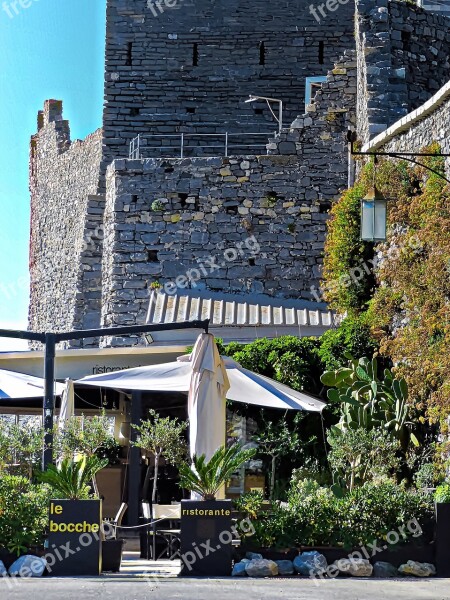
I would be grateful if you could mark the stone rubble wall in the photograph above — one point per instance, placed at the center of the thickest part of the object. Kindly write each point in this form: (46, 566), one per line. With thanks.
(164, 219)
(427, 124)
(403, 59)
(151, 83)
(63, 174)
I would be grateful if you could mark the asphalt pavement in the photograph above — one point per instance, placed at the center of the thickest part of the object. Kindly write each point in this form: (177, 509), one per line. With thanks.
(139, 588)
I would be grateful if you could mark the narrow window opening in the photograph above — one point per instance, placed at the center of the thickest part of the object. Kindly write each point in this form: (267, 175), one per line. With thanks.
(251, 262)
(134, 198)
(152, 256)
(183, 200)
(134, 112)
(406, 37)
(190, 110)
(262, 53)
(129, 54)
(324, 207)
(195, 55)
(321, 49)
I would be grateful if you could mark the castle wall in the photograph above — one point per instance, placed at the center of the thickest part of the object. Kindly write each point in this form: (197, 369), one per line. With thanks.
(252, 224)
(154, 86)
(63, 176)
(417, 130)
(403, 58)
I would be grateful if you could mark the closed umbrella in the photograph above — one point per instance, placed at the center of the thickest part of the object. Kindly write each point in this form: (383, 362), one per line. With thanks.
(206, 400)
(67, 404)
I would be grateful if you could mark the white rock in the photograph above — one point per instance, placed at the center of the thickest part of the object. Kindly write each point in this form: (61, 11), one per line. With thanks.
(357, 567)
(260, 567)
(417, 569)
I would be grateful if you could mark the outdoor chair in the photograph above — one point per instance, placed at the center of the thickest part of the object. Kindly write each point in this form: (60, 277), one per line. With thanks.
(116, 522)
(164, 522)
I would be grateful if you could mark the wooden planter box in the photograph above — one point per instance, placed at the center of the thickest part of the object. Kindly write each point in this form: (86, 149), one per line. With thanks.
(443, 539)
(206, 548)
(74, 545)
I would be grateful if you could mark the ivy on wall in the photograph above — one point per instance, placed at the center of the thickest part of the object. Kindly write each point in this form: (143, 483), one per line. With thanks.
(406, 298)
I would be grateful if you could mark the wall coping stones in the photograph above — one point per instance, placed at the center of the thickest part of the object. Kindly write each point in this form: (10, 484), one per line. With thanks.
(409, 120)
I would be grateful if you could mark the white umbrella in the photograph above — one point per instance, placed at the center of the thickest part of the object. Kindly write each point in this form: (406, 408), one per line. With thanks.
(67, 409)
(206, 401)
(20, 386)
(245, 386)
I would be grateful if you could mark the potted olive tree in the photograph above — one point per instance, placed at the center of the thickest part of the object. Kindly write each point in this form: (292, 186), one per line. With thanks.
(206, 524)
(163, 438)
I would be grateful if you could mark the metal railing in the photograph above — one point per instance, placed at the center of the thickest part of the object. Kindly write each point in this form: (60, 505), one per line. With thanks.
(222, 145)
(440, 6)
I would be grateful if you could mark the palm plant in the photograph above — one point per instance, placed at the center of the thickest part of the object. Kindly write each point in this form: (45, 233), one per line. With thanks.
(207, 477)
(71, 479)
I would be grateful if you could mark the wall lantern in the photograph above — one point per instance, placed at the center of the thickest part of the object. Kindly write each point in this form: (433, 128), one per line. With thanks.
(373, 217)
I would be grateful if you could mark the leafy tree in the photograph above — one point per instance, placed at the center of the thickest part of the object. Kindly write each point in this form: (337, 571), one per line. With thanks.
(162, 437)
(360, 455)
(276, 439)
(20, 445)
(84, 436)
(352, 337)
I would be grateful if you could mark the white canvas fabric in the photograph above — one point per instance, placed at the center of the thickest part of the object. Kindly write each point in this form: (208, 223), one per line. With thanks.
(207, 397)
(67, 404)
(245, 386)
(17, 386)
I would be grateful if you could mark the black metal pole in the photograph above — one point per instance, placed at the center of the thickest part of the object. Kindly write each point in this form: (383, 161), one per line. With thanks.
(51, 339)
(49, 399)
(134, 465)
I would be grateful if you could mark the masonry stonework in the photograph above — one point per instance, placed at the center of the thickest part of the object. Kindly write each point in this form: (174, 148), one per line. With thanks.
(403, 59)
(191, 68)
(64, 174)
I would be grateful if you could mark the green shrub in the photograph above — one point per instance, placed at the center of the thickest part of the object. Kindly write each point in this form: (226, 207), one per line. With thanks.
(442, 494)
(316, 517)
(250, 503)
(374, 510)
(314, 514)
(427, 476)
(353, 337)
(23, 513)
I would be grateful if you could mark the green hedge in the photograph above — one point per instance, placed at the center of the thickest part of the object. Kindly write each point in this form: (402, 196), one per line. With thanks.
(315, 517)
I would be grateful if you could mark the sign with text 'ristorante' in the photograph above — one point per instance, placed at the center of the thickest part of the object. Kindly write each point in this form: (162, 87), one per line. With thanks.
(74, 546)
(206, 537)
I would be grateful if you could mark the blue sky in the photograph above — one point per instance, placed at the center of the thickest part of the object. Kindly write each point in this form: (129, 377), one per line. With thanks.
(51, 49)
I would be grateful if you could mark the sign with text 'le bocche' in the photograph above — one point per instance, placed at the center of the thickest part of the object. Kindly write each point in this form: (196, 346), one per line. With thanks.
(74, 545)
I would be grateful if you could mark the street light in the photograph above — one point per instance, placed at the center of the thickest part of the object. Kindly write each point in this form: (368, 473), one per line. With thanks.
(278, 119)
(373, 216)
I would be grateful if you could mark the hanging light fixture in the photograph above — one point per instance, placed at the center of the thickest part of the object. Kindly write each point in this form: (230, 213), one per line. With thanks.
(374, 214)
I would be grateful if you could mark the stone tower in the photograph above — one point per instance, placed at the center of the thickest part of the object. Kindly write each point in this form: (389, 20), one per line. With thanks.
(99, 245)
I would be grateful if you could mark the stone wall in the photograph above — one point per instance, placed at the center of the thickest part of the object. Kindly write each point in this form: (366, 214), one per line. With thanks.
(252, 224)
(64, 174)
(417, 130)
(191, 67)
(402, 60)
